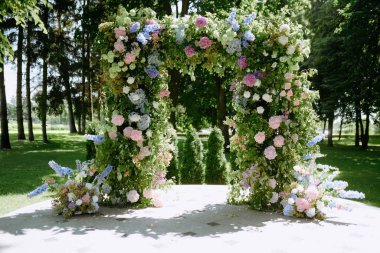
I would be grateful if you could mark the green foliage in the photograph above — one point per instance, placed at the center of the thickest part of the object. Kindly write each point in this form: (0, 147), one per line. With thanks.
(173, 168)
(216, 163)
(193, 167)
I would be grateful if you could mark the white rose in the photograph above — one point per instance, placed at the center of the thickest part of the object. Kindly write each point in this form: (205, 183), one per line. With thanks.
(290, 50)
(247, 94)
(155, 104)
(310, 212)
(258, 83)
(149, 133)
(260, 110)
(267, 98)
(126, 89)
(283, 40)
(256, 97)
(130, 80)
(285, 28)
(134, 117)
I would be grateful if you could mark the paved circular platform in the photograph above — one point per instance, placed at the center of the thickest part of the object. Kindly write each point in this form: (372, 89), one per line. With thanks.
(194, 219)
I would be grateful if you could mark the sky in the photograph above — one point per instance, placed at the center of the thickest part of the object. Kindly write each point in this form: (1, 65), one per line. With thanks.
(10, 76)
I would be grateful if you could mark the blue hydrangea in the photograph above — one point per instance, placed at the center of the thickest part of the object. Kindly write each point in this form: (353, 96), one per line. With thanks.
(39, 190)
(248, 20)
(104, 174)
(97, 139)
(315, 140)
(351, 194)
(244, 43)
(235, 25)
(308, 156)
(151, 28)
(141, 38)
(61, 171)
(71, 205)
(248, 35)
(288, 210)
(134, 27)
(152, 71)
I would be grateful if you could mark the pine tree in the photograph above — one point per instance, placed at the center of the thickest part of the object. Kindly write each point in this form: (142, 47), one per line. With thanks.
(216, 163)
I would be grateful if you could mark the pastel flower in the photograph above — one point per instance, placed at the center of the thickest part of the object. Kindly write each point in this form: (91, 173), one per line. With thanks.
(134, 117)
(283, 40)
(296, 102)
(270, 153)
(274, 198)
(302, 204)
(136, 135)
(297, 83)
(275, 122)
(256, 97)
(260, 110)
(119, 32)
(130, 80)
(157, 202)
(134, 27)
(272, 183)
(304, 95)
(205, 42)
(78, 202)
(260, 137)
(119, 46)
(127, 132)
(283, 93)
(117, 120)
(148, 193)
(249, 80)
(289, 76)
(242, 62)
(310, 212)
(278, 141)
(164, 93)
(267, 98)
(133, 196)
(112, 135)
(288, 210)
(249, 36)
(201, 21)
(289, 93)
(144, 152)
(287, 86)
(141, 38)
(235, 25)
(129, 58)
(312, 193)
(126, 89)
(152, 71)
(86, 198)
(150, 21)
(189, 51)
(285, 28)
(247, 94)
(290, 50)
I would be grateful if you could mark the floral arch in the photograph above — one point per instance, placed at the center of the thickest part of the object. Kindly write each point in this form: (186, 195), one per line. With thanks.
(274, 118)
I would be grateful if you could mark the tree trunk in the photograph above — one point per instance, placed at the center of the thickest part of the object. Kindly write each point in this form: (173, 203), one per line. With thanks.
(340, 128)
(5, 143)
(330, 129)
(361, 128)
(222, 112)
(365, 138)
(357, 118)
(185, 7)
(45, 52)
(27, 83)
(19, 112)
(174, 84)
(82, 127)
(324, 125)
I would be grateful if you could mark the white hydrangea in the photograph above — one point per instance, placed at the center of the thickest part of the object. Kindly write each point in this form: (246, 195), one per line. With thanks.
(291, 49)
(155, 104)
(234, 46)
(134, 117)
(130, 80)
(285, 28)
(267, 98)
(247, 94)
(126, 89)
(283, 40)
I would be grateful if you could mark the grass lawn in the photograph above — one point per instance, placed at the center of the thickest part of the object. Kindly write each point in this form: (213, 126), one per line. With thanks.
(22, 167)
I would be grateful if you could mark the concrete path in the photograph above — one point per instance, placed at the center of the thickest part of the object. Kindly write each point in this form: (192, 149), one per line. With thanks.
(194, 219)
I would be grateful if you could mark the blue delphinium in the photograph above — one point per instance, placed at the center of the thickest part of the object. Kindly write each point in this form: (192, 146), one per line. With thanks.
(235, 25)
(97, 139)
(134, 27)
(61, 171)
(39, 190)
(152, 71)
(288, 210)
(104, 174)
(141, 38)
(232, 20)
(315, 140)
(232, 15)
(249, 19)
(249, 36)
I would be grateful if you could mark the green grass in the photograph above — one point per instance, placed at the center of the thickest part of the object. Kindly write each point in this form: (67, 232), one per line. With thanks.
(23, 167)
(360, 168)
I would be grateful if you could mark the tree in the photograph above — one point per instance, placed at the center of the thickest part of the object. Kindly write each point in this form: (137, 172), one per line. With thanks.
(216, 163)
(20, 114)
(5, 143)
(27, 81)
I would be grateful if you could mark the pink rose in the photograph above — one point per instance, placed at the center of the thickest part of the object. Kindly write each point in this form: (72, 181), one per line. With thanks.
(163, 93)
(272, 183)
(275, 122)
(201, 21)
(270, 153)
(302, 205)
(136, 135)
(117, 120)
(283, 93)
(287, 86)
(278, 141)
(260, 137)
(242, 62)
(296, 102)
(289, 76)
(129, 58)
(112, 135)
(133, 196)
(119, 32)
(312, 192)
(205, 42)
(304, 95)
(297, 83)
(119, 46)
(189, 51)
(127, 132)
(249, 80)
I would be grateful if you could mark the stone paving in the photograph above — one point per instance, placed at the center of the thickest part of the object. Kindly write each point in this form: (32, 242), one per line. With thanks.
(194, 219)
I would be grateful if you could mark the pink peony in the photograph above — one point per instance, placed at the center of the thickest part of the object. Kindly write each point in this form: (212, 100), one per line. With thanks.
(129, 58)
(260, 137)
(249, 80)
(312, 192)
(272, 183)
(189, 51)
(204, 42)
(289, 94)
(242, 62)
(296, 102)
(136, 135)
(270, 153)
(112, 135)
(119, 46)
(302, 205)
(163, 93)
(133, 196)
(201, 21)
(127, 132)
(117, 120)
(275, 122)
(289, 76)
(278, 141)
(119, 32)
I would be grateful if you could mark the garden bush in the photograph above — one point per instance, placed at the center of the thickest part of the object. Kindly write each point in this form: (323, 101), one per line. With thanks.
(216, 163)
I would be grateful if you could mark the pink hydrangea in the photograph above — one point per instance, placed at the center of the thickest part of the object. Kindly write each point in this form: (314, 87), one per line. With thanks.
(270, 153)
(275, 122)
(119, 46)
(272, 183)
(136, 135)
(201, 21)
(144, 152)
(283, 93)
(127, 132)
(164, 93)
(249, 80)
(312, 192)
(242, 62)
(117, 120)
(260, 137)
(120, 31)
(112, 135)
(278, 141)
(133, 196)
(189, 51)
(129, 58)
(205, 42)
(302, 205)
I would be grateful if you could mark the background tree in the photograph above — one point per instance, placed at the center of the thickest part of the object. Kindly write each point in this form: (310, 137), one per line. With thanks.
(216, 163)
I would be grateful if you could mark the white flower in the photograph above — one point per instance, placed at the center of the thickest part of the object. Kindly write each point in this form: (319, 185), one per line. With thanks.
(126, 89)
(267, 98)
(247, 94)
(274, 65)
(310, 213)
(119, 176)
(132, 66)
(274, 54)
(297, 168)
(71, 196)
(272, 183)
(274, 198)
(96, 206)
(260, 110)
(88, 186)
(132, 13)
(256, 97)
(155, 104)
(283, 40)
(285, 28)
(149, 133)
(300, 188)
(283, 59)
(134, 97)
(134, 117)
(148, 193)
(290, 201)
(265, 53)
(133, 196)
(320, 205)
(294, 191)
(130, 80)
(290, 50)
(95, 199)
(258, 83)
(78, 202)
